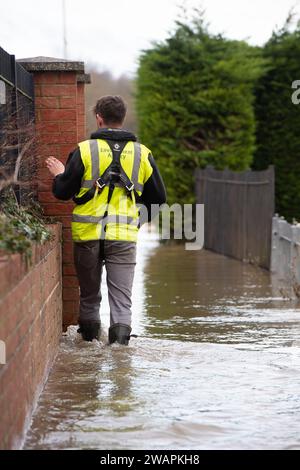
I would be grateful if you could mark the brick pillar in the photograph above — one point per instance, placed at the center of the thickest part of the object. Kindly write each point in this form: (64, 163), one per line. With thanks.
(60, 124)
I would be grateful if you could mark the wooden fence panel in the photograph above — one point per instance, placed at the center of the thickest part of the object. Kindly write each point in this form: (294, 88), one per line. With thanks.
(239, 207)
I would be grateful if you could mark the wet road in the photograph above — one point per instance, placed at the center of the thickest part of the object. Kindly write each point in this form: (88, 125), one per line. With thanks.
(216, 365)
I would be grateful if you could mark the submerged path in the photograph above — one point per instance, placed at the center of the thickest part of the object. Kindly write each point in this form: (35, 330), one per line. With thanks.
(216, 365)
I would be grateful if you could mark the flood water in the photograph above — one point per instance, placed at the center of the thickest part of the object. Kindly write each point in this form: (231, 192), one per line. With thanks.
(216, 364)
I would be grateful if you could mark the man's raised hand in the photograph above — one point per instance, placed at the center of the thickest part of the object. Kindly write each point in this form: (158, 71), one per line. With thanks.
(55, 166)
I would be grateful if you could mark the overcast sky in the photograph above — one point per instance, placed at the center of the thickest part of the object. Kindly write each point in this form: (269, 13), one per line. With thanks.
(111, 33)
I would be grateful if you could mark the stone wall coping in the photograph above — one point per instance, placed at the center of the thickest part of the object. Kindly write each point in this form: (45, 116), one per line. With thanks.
(51, 64)
(84, 78)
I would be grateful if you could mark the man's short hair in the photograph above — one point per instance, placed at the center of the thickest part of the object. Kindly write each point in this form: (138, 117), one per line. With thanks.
(112, 109)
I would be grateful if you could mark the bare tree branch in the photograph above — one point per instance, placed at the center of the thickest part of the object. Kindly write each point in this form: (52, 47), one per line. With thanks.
(17, 150)
(26, 147)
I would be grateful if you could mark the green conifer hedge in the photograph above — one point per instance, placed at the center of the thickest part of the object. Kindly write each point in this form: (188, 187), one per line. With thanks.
(195, 104)
(278, 119)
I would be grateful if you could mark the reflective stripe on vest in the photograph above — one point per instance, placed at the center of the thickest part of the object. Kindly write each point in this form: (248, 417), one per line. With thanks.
(109, 219)
(136, 164)
(95, 165)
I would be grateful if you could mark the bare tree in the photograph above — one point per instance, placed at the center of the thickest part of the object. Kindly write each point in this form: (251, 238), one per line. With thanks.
(17, 155)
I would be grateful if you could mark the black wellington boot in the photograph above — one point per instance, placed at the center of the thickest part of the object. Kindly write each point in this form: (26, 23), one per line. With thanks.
(120, 333)
(89, 330)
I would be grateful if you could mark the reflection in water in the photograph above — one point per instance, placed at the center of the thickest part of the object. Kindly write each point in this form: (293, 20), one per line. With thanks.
(216, 365)
(201, 296)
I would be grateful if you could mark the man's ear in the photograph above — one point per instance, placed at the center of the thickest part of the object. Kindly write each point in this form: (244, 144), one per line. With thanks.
(99, 120)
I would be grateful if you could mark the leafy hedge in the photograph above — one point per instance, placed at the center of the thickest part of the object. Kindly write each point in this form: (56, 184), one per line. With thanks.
(195, 104)
(278, 120)
(19, 227)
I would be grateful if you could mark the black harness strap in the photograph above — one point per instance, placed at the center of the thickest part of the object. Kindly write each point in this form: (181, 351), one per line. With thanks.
(113, 175)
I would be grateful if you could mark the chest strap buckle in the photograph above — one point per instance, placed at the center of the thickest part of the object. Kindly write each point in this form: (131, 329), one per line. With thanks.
(100, 183)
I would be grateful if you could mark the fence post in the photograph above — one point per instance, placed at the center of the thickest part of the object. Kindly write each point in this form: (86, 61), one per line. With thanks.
(275, 244)
(15, 114)
(295, 252)
(285, 238)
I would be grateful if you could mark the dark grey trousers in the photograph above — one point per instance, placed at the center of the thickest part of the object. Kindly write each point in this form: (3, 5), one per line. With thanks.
(119, 258)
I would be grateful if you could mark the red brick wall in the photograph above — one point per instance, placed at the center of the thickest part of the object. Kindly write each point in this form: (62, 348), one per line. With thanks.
(81, 131)
(60, 118)
(30, 326)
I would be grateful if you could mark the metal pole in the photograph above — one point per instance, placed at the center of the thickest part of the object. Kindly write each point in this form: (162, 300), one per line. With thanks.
(15, 118)
(64, 8)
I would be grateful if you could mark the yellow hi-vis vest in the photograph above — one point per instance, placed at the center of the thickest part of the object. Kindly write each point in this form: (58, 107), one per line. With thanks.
(118, 220)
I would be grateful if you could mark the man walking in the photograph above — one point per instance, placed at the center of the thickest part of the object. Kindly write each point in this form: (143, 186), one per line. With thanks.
(106, 176)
